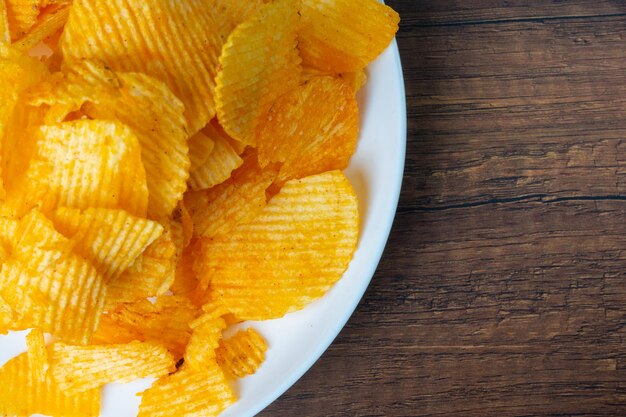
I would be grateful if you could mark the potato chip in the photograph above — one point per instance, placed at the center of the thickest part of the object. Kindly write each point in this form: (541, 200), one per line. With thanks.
(24, 393)
(50, 22)
(81, 368)
(241, 354)
(186, 283)
(229, 14)
(133, 99)
(111, 239)
(174, 42)
(219, 164)
(5, 35)
(89, 163)
(290, 254)
(188, 393)
(22, 15)
(355, 80)
(345, 35)
(217, 210)
(51, 287)
(165, 322)
(8, 317)
(207, 333)
(152, 274)
(312, 129)
(259, 63)
(200, 148)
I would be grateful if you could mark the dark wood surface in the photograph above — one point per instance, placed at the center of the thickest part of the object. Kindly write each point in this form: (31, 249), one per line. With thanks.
(502, 291)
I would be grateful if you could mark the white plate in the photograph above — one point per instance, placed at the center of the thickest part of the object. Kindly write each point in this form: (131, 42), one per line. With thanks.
(299, 339)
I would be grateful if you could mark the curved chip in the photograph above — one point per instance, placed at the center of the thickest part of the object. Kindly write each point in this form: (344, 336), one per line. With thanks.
(290, 254)
(259, 63)
(51, 287)
(24, 392)
(111, 239)
(241, 354)
(81, 368)
(50, 22)
(207, 333)
(5, 35)
(219, 164)
(89, 163)
(217, 210)
(188, 393)
(200, 148)
(312, 129)
(228, 14)
(175, 42)
(345, 35)
(22, 15)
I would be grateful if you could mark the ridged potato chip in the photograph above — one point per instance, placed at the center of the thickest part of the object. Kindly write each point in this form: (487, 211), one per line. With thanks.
(271, 266)
(355, 80)
(22, 15)
(312, 129)
(200, 148)
(217, 210)
(81, 368)
(259, 63)
(88, 163)
(24, 392)
(111, 239)
(51, 287)
(5, 35)
(344, 35)
(50, 22)
(219, 164)
(188, 393)
(207, 333)
(174, 42)
(165, 322)
(229, 14)
(8, 317)
(241, 354)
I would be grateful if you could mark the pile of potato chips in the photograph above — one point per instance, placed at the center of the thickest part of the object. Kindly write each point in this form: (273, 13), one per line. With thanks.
(170, 168)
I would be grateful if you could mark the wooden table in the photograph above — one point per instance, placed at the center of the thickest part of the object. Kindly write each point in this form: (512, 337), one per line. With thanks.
(503, 288)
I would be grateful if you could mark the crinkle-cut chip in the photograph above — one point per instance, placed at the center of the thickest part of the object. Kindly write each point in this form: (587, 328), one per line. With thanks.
(5, 35)
(152, 274)
(259, 63)
(217, 210)
(287, 256)
(186, 283)
(312, 129)
(207, 333)
(356, 79)
(200, 147)
(23, 15)
(52, 288)
(166, 322)
(219, 165)
(241, 354)
(8, 317)
(188, 393)
(37, 355)
(111, 239)
(81, 368)
(90, 163)
(49, 23)
(133, 99)
(344, 35)
(175, 42)
(229, 14)
(24, 393)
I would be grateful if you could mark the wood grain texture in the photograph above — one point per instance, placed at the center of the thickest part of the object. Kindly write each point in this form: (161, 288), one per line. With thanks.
(502, 291)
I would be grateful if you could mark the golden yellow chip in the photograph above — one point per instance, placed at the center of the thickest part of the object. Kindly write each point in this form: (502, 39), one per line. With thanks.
(133, 99)
(200, 148)
(51, 287)
(81, 368)
(312, 129)
(355, 80)
(174, 42)
(207, 333)
(186, 282)
(290, 254)
(228, 14)
(152, 273)
(188, 393)
(259, 63)
(241, 354)
(217, 210)
(345, 35)
(165, 322)
(5, 35)
(24, 392)
(8, 317)
(219, 164)
(22, 15)
(87, 163)
(111, 239)
(50, 22)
